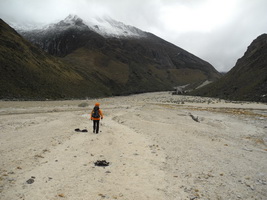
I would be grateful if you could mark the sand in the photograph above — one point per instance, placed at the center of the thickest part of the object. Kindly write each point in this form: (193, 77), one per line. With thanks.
(155, 149)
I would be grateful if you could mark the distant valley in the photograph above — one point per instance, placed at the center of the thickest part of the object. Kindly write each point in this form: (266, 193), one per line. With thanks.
(71, 59)
(77, 58)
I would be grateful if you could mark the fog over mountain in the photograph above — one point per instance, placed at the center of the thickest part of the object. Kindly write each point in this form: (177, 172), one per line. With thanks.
(216, 31)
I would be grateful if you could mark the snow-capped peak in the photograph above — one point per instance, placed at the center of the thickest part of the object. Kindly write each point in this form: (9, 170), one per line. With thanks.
(71, 17)
(72, 20)
(109, 27)
(104, 26)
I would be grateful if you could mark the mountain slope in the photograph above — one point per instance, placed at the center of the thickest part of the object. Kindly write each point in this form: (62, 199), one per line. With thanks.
(152, 63)
(248, 78)
(89, 61)
(27, 72)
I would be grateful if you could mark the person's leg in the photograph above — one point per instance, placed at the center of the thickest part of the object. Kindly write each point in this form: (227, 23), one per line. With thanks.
(94, 125)
(97, 126)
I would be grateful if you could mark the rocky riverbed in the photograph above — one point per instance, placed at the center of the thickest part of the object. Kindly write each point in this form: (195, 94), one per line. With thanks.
(150, 144)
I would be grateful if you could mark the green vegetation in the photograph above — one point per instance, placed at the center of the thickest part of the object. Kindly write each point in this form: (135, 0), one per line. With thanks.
(28, 73)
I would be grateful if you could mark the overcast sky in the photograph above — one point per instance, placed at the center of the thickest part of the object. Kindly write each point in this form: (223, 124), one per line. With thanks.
(218, 31)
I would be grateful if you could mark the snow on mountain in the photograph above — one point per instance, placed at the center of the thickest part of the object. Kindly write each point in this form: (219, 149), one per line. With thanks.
(26, 26)
(105, 26)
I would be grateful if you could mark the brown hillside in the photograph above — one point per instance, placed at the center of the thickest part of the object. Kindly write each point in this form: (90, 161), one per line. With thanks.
(29, 73)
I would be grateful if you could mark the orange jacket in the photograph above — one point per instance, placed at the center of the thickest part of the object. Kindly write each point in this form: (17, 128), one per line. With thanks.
(101, 114)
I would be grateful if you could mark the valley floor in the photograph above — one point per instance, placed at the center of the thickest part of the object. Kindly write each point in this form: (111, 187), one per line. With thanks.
(158, 147)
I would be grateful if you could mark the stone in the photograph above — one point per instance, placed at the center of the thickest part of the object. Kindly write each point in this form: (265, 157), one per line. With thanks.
(30, 181)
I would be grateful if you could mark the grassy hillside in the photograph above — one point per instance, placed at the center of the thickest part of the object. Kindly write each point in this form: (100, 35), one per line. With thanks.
(127, 77)
(27, 72)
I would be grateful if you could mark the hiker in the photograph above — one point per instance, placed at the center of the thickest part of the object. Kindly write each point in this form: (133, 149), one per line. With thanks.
(96, 114)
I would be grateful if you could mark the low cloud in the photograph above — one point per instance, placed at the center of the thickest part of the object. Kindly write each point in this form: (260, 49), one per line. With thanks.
(216, 31)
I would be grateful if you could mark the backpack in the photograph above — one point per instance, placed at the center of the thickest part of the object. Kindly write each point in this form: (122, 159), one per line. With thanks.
(95, 113)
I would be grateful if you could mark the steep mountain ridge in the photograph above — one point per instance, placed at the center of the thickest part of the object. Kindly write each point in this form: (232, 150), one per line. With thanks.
(27, 72)
(109, 27)
(105, 26)
(129, 44)
(98, 64)
(247, 80)
(61, 38)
